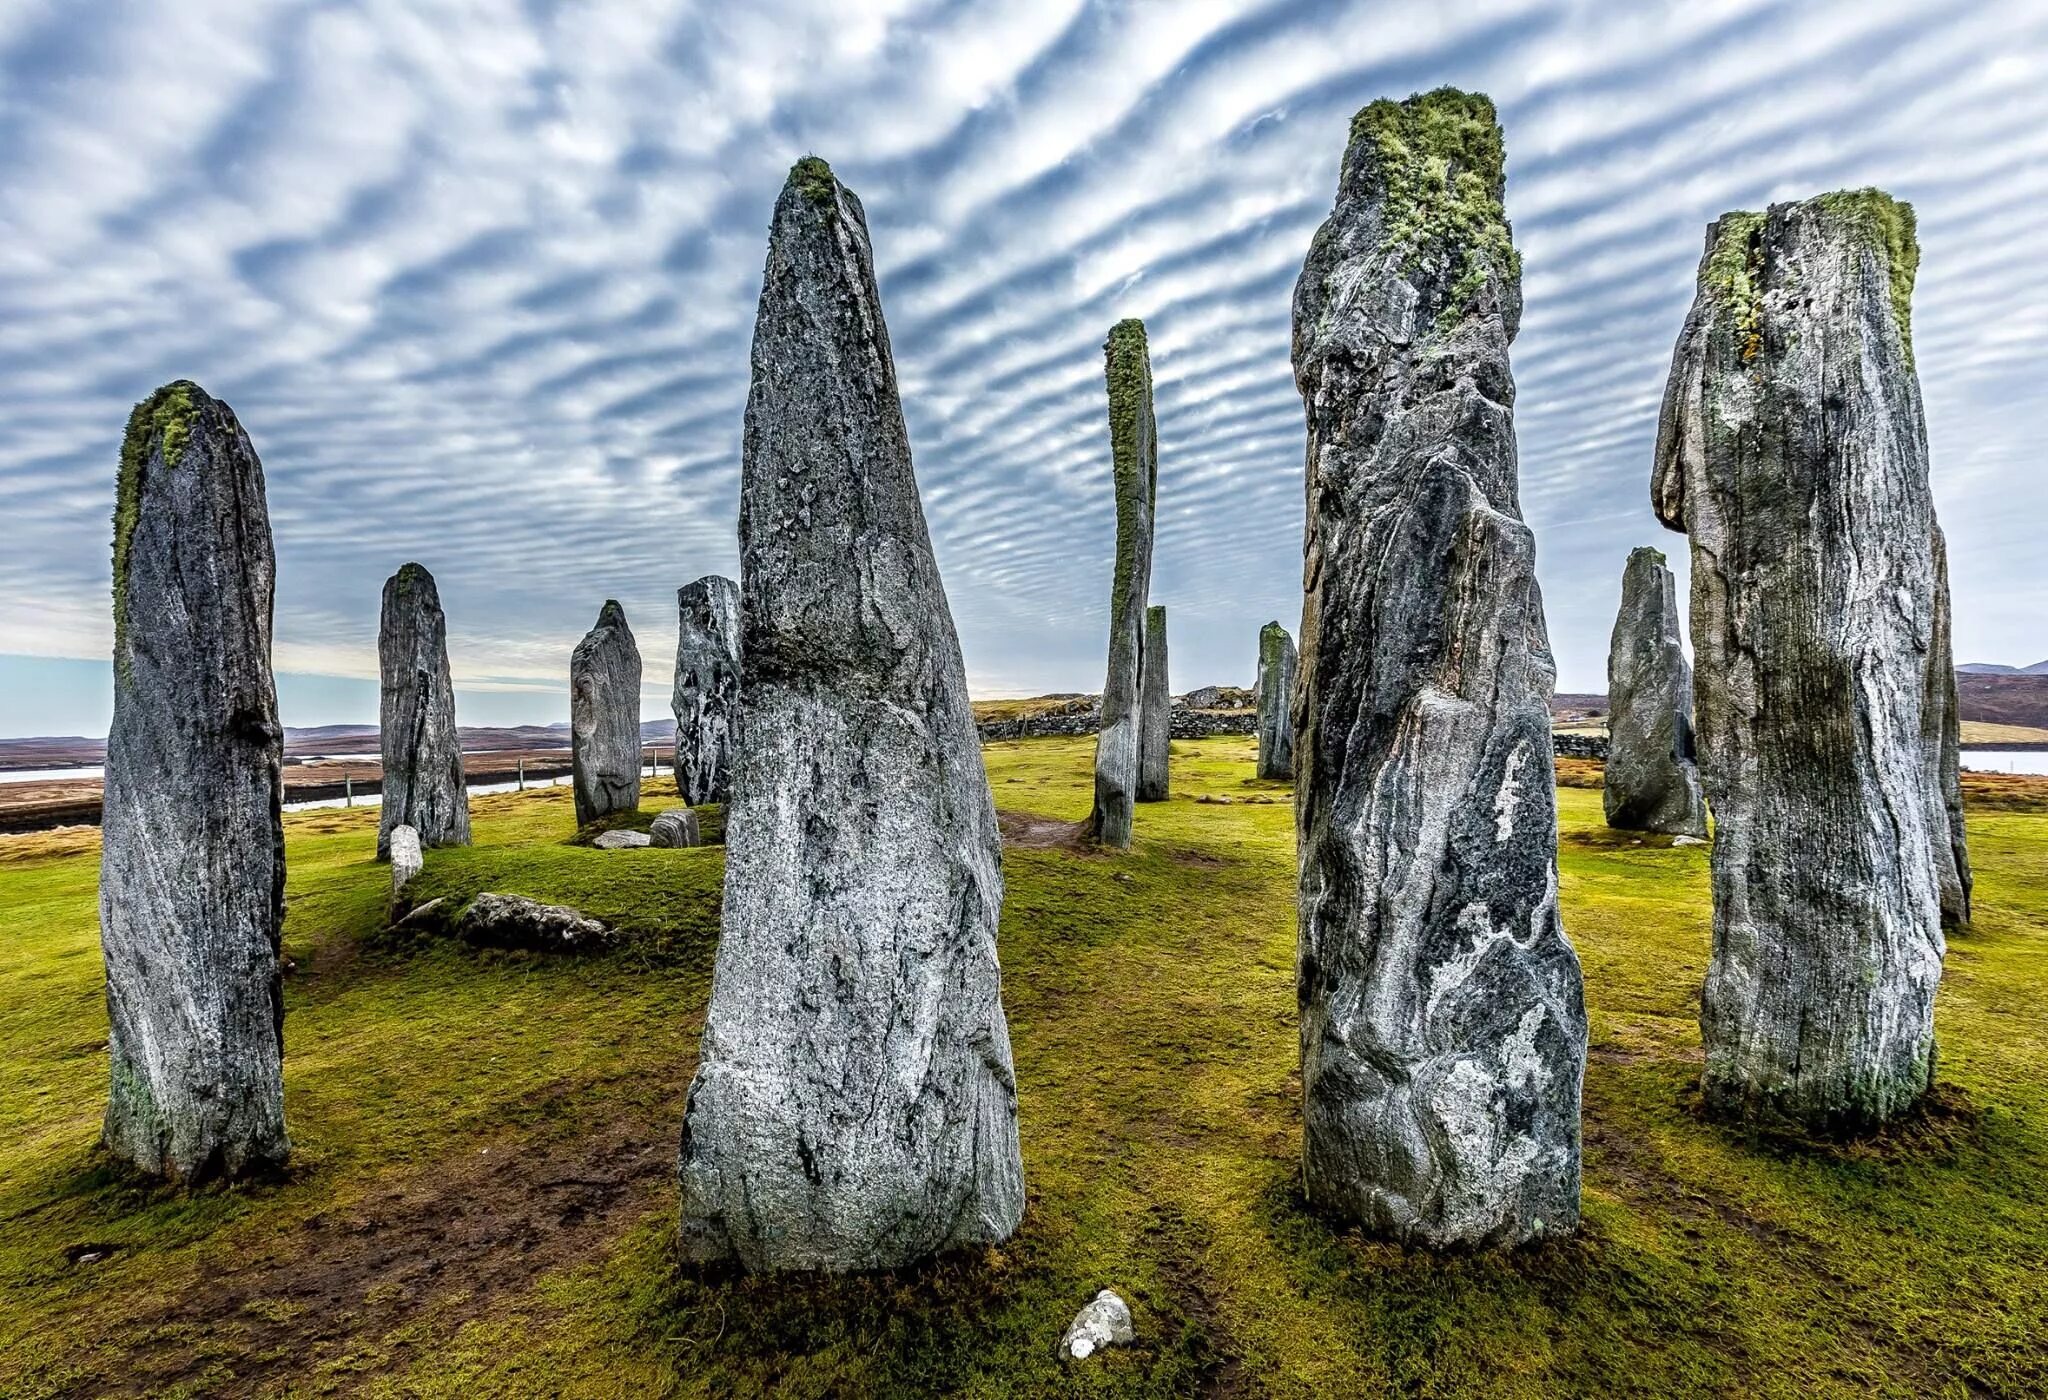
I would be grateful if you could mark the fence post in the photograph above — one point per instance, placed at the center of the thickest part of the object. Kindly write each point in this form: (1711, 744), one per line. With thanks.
(348, 790)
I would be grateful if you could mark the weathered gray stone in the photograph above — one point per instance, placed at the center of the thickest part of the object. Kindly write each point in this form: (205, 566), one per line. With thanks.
(1941, 734)
(1792, 451)
(1104, 1321)
(406, 860)
(604, 718)
(192, 855)
(854, 1105)
(621, 840)
(1651, 783)
(707, 687)
(514, 921)
(422, 780)
(1277, 663)
(1134, 461)
(676, 828)
(1443, 1031)
(1155, 713)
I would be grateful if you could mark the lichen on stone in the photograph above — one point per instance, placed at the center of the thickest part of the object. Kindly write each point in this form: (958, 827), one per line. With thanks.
(1889, 224)
(1443, 167)
(1127, 367)
(161, 423)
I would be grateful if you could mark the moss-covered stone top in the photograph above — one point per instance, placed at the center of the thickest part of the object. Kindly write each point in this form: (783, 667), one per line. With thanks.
(160, 426)
(1128, 366)
(813, 179)
(1889, 224)
(1441, 161)
(1650, 552)
(1273, 641)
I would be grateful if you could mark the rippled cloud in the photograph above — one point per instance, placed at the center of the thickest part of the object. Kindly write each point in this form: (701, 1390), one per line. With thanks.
(479, 277)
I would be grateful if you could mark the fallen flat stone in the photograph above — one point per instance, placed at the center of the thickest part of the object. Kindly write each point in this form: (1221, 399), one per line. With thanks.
(1134, 460)
(707, 687)
(1650, 782)
(604, 718)
(514, 921)
(854, 1105)
(676, 828)
(422, 752)
(1443, 1030)
(192, 836)
(1155, 713)
(622, 840)
(1792, 450)
(1104, 1321)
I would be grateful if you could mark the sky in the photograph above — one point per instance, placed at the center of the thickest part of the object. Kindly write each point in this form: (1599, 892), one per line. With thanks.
(479, 277)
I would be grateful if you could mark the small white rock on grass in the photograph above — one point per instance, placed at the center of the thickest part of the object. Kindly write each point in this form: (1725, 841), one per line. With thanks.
(1106, 1320)
(622, 840)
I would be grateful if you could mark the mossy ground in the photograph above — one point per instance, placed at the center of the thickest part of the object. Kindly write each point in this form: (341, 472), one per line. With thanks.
(440, 1232)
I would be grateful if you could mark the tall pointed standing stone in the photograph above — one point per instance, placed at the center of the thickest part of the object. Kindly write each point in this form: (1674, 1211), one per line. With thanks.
(1792, 451)
(1155, 713)
(1651, 783)
(192, 855)
(1134, 461)
(604, 718)
(1443, 1032)
(707, 688)
(854, 1105)
(423, 786)
(1277, 663)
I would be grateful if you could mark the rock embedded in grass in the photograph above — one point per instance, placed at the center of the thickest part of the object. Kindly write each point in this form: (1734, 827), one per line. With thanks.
(707, 685)
(192, 855)
(1792, 451)
(406, 860)
(676, 828)
(1443, 1030)
(1134, 462)
(1277, 663)
(1155, 713)
(514, 921)
(621, 840)
(1650, 782)
(422, 753)
(854, 1105)
(1104, 1321)
(604, 718)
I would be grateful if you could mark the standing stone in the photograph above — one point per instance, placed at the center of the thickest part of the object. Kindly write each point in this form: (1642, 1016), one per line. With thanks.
(1443, 1030)
(1155, 713)
(707, 690)
(1651, 783)
(1277, 662)
(854, 1105)
(604, 718)
(192, 855)
(423, 785)
(675, 829)
(1941, 735)
(1792, 450)
(1134, 460)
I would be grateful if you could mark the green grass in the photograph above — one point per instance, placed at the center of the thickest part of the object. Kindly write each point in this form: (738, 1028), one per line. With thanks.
(435, 1094)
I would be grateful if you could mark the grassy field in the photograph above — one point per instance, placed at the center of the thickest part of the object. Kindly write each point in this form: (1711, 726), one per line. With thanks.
(482, 1195)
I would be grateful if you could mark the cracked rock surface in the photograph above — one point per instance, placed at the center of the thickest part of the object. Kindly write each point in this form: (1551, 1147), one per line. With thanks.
(707, 687)
(1792, 451)
(1650, 783)
(1443, 1031)
(192, 855)
(854, 1105)
(422, 754)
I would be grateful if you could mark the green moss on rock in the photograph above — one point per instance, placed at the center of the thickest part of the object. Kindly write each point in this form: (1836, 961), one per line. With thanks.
(1127, 365)
(159, 426)
(814, 180)
(1733, 265)
(1442, 164)
(1889, 224)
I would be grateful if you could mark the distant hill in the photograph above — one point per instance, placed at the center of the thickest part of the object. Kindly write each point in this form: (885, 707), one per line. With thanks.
(1993, 668)
(323, 740)
(2020, 698)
